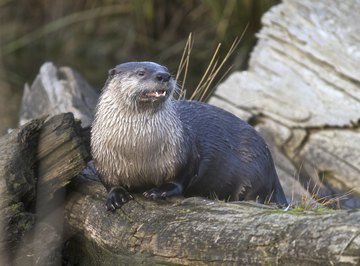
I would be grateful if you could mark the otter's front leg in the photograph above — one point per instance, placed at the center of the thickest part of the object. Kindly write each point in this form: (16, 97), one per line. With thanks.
(117, 197)
(165, 190)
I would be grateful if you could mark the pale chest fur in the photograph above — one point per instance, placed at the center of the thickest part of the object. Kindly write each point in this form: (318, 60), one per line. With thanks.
(138, 149)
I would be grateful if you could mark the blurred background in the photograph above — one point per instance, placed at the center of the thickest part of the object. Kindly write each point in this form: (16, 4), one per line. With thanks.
(92, 36)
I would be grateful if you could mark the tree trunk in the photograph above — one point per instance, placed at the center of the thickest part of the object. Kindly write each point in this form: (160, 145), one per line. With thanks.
(36, 162)
(59, 90)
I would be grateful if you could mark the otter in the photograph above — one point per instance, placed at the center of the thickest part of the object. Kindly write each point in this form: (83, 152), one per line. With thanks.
(144, 140)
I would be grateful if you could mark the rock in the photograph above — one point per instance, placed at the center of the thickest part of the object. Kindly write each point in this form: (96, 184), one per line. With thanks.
(303, 75)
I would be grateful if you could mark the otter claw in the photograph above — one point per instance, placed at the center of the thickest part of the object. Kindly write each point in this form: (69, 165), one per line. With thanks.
(166, 190)
(117, 197)
(150, 195)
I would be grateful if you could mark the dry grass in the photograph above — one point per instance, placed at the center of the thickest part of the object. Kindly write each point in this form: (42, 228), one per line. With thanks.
(313, 201)
(205, 86)
(183, 68)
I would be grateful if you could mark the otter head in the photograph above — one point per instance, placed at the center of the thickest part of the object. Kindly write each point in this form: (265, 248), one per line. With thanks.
(141, 85)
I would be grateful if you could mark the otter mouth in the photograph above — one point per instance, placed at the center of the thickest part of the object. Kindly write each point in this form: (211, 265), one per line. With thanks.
(154, 95)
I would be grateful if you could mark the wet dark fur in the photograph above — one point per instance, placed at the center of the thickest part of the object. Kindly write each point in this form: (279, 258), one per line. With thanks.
(215, 154)
(233, 162)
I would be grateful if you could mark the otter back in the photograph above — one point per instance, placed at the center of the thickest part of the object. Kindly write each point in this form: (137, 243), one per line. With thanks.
(234, 161)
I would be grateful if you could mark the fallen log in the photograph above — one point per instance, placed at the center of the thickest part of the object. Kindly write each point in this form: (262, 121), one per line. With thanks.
(58, 90)
(196, 231)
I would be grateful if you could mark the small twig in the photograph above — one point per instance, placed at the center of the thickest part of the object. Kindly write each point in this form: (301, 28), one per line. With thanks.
(213, 69)
(206, 72)
(184, 63)
(217, 84)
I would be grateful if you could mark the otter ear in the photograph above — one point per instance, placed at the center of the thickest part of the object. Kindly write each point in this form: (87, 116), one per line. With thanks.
(112, 72)
(166, 69)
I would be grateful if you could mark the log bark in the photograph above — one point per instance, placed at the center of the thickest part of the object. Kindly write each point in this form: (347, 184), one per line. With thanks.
(36, 162)
(17, 186)
(196, 231)
(302, 89)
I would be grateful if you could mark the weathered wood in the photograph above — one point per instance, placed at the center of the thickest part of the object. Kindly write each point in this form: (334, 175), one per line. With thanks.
(61, 153)
(58, 90)
(303, 80)
(197, 231)
(17, 185)
(36, 162)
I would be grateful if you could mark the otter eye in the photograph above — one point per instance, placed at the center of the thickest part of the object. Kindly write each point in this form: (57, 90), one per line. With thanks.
(141, 73)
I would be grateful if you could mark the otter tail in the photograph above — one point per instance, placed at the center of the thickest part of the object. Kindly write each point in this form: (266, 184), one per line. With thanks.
(278, 194)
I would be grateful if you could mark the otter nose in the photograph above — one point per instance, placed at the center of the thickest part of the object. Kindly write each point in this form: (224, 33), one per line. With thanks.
(163, 76)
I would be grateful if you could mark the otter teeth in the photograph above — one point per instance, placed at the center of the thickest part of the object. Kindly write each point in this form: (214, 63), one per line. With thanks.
(157, 94)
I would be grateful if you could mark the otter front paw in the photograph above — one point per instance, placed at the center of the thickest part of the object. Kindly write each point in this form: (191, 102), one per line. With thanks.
(166, 190)
(117, 197)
